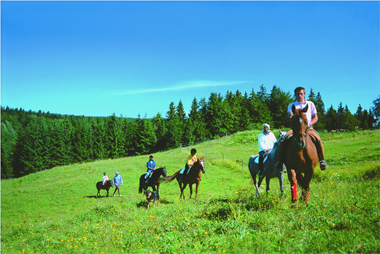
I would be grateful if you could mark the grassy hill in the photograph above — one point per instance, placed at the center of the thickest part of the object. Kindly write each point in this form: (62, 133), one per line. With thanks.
(56, 211)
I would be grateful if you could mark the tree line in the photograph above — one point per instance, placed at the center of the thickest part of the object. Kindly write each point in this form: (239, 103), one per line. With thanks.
(35, 141)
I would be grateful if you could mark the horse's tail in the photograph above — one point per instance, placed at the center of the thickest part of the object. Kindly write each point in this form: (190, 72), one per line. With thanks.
(140, 186)
(172, 177)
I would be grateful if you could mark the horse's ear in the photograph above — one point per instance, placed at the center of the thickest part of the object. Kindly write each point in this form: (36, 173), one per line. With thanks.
(202, 158)
(293, 108)
(306, 108)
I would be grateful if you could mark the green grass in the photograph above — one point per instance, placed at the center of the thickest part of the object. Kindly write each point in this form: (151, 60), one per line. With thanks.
(55, 211)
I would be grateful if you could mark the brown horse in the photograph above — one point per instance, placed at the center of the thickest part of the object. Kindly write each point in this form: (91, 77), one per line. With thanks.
(106, 186)
(194, 176)
(302, 155)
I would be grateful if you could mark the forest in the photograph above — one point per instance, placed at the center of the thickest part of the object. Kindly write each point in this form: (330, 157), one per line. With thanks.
(35, 141)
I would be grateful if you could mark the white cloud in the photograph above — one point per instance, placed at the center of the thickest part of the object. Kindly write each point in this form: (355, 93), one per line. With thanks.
(183, 86)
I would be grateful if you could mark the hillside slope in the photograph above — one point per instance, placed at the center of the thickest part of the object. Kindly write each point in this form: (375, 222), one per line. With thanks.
(57, 210)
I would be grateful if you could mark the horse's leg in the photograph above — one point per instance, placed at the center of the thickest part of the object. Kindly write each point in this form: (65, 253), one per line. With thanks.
(261, 178)
(267, 180)
(281, 180)
(107, 192)
(293, 184)
(256, 185)
(183, 190)
(196, 190)
(191, 189)
(180, 187)
(158, 187)
(306, 187)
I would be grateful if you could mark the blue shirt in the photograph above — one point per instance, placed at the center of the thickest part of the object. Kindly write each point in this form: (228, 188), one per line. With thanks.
(118, 180)
(150, 165)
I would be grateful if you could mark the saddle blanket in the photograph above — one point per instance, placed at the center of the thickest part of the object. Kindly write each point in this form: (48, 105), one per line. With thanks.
(183, 170)
(257, 158)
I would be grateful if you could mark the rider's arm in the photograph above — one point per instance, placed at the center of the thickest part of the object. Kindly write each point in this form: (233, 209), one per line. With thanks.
(314, 119)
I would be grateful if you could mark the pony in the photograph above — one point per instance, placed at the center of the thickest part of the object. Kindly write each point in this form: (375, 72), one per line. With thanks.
(154, 181)
(301, 155)
(269, 167)
(106, 186)
(193, 176)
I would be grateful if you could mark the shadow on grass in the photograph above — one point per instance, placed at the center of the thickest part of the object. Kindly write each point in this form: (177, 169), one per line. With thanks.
(145, 203)
(98, 196)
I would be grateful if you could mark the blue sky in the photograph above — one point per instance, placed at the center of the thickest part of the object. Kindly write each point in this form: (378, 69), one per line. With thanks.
(130, 58)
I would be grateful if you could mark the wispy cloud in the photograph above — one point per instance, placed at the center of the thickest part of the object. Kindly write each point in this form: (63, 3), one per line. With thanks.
(183, 86)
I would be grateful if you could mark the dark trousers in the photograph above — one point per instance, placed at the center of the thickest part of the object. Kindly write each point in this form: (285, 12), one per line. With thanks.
(262, 155)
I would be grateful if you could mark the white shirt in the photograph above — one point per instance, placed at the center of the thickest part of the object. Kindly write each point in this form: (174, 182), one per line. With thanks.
(266, 141)
(310, 111)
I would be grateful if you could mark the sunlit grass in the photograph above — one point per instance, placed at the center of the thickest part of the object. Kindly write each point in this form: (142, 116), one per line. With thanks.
(56, 211)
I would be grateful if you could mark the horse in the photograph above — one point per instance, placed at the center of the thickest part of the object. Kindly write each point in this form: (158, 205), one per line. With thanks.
(302, 156)
(106, 186)
(269, 167)
(154, 181)
(193, 176)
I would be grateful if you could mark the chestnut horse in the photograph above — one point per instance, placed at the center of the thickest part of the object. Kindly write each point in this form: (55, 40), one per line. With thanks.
(194, 176)
(302, 155)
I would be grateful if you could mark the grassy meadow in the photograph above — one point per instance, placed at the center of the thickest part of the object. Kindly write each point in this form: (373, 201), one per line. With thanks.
(56, 211)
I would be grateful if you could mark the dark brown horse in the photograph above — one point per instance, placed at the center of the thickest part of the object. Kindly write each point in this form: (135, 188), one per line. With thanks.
(270, 171)
(302, 155)
(154, 181)
(106, 186)
(194, 176)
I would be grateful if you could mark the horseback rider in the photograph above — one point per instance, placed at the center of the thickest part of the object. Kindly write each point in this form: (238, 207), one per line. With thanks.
(105, 178)
(190, 162)
(151, 166)
(266, 142)
(312, 117)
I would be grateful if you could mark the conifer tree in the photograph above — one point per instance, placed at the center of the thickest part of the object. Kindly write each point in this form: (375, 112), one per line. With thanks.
(8, 146)
(172, 122)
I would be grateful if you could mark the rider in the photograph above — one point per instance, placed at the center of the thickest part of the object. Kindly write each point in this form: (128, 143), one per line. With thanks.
(266, 142)
(105, 178)
(151, 166)
(312, 117)
(190, 162)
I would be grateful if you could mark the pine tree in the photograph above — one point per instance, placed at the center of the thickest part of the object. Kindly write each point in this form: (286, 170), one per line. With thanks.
(278, 107)
(261, 113)
(181, 120)
(8, 146)
(350, 121)
(173, 135)
(160, 131)
(320, 106)
(330, 119)
(215, 116)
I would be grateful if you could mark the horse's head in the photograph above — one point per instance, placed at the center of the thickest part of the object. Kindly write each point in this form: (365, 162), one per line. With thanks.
(282, 136)
(300, 126)
(202, 164)
(164, 173)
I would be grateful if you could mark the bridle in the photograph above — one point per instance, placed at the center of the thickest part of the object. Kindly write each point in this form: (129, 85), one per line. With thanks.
(300, 136)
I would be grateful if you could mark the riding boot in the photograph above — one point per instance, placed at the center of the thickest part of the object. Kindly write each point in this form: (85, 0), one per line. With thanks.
(261, 163)
(320, 150)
